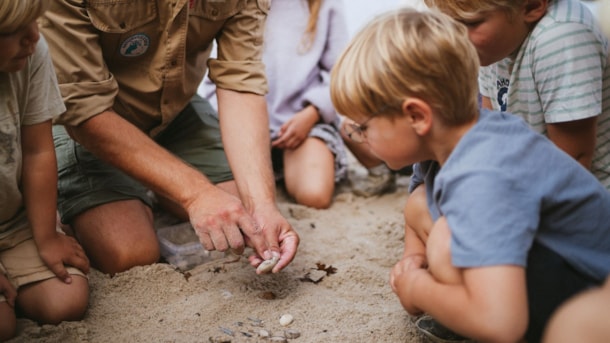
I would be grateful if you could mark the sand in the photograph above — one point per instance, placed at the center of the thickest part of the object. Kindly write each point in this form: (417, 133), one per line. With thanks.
(336, 289)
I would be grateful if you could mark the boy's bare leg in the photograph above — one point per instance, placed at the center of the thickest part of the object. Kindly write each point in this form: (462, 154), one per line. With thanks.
(53, 301)
(118, 235)
(583, 318)
(8, 324)
(416, 213)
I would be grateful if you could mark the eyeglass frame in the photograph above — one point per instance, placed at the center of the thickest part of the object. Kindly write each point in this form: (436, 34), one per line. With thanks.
(357, 133)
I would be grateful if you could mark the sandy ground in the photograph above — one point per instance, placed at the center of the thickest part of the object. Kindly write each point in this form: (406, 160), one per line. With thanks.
(348, 250)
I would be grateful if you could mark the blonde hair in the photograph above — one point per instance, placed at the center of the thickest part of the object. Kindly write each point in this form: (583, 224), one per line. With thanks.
(312, 25)
(468, 9)
(16, 13)
(405, 53)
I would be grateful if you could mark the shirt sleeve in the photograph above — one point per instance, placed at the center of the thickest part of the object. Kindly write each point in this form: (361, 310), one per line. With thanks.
(569, 60)
(239, 65)
(44, 101)
(85, 83)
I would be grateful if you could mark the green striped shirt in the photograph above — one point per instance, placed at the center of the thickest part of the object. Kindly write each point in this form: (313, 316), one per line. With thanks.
(561, 73)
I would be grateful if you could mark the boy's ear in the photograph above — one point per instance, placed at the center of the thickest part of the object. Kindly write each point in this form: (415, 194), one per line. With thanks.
(534, 10)
(419, 115)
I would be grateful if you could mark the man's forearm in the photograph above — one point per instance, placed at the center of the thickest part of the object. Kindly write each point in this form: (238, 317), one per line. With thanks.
(244, 126)
(119, 143)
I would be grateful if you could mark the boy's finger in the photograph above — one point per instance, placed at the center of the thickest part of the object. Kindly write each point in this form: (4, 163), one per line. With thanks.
(60, 271)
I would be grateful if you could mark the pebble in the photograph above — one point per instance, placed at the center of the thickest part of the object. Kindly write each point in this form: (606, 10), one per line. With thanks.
(278, 339)
(263, 333)
(286, 319)
(292, 334)
(267, 265)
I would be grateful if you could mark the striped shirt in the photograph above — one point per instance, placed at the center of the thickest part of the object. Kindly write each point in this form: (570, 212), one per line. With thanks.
(560, 74)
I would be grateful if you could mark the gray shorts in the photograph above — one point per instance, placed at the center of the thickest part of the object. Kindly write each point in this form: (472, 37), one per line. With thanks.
(330, 135)
(86, 182)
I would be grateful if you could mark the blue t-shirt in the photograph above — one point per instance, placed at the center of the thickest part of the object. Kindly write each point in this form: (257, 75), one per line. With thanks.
(504, 186)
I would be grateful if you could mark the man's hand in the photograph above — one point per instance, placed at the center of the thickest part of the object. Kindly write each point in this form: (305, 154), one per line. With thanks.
(275, 237)
(220, 220)
(59, 250)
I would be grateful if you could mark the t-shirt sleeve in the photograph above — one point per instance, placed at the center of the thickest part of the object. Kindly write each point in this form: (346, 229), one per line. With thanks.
(492, 218)
(569, 60)
(239, 65)
(44, 100)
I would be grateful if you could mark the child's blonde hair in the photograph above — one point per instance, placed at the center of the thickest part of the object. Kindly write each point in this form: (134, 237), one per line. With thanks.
(312, 24)
(16, 13)
(468, 9)
(405, 53)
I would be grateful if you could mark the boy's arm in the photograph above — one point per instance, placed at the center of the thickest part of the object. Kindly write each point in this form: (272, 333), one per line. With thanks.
(491, 304)
(486, 103)
(39, 183)
(577, 138)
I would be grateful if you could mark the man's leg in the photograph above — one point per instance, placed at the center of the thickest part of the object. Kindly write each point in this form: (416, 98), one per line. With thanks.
(117, 235)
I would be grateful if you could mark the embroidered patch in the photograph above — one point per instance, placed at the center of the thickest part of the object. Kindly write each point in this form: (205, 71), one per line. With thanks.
(135, 45)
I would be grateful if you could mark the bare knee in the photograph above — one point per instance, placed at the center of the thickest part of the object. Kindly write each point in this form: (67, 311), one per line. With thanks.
(52, 301)
(8, 324)
(438, 254)
(118, 235)
(126, 255)
(417, 215)
(313, 199)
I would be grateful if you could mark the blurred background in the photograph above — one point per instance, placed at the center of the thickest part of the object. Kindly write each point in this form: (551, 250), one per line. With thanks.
(360, 11)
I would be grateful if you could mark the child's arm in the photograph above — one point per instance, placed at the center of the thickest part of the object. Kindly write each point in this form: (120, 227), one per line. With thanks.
(577, 138)
(39, 182)
(491, 304)
(294, 132)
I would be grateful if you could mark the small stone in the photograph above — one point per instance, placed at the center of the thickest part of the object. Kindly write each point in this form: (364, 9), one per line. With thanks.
(292, 334)
(286, 319)
(278, 339)
(267, 265)
(220, 339)
(263, 333)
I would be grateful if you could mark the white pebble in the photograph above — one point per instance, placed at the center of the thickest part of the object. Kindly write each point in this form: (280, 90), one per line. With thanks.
(286, 320)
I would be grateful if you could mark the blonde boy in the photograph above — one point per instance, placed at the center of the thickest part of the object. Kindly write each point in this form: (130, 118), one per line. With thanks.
(33, 256)
(507, 245)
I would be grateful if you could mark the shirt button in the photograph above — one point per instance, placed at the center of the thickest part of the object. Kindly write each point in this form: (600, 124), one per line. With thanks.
(214, 11)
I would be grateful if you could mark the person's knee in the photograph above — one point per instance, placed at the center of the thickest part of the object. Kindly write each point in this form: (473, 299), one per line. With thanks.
(126, 255)
(318, 200)
(54, 302)
(416, 213)
(438, 254)
(8, 322)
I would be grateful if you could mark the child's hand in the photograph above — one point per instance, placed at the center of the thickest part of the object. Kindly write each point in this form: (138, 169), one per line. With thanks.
(7, 289)
(403, 276)
(60, 250)
(294, 132)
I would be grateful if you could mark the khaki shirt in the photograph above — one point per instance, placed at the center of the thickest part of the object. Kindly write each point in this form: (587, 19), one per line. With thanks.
(146, 58)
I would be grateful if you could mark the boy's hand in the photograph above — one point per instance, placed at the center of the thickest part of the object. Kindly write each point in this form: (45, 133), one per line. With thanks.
(59, 250)
(402, 278)
(7, 290)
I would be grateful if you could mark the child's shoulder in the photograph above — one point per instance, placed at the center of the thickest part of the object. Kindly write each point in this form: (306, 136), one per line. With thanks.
(567, 13)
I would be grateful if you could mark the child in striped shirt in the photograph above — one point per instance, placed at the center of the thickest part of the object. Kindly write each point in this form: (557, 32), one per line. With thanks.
(546, 61)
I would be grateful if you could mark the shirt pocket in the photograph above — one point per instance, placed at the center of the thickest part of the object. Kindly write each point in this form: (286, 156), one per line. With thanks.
(120, 16)
(215, 10)
(127, 28)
